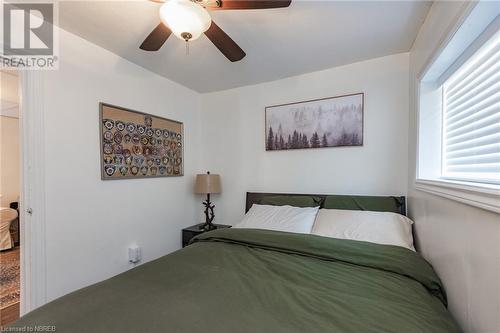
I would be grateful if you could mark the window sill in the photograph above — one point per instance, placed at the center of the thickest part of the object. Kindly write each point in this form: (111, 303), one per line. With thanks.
(482, 196)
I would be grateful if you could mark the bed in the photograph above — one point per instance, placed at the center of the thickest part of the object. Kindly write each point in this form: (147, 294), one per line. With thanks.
(251, 280)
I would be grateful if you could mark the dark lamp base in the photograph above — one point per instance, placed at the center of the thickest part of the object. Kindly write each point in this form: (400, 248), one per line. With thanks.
(209, 215)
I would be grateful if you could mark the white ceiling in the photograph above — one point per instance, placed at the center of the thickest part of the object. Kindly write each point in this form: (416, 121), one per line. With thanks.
(306, 37)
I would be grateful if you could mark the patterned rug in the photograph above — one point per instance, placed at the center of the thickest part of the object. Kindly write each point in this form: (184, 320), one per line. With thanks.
(9, 277)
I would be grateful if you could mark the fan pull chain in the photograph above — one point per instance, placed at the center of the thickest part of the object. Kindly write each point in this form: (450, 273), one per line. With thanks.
(186, 36)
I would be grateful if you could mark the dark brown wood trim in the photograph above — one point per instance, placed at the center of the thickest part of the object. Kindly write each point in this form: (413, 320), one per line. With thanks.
(9, 314)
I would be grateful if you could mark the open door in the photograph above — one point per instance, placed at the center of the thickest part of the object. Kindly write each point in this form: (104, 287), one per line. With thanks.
(22, 130)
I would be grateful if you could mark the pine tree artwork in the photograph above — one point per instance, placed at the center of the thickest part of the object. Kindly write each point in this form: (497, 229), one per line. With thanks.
(315, 140)
(321, 123)
(324, 141)
(270, 140)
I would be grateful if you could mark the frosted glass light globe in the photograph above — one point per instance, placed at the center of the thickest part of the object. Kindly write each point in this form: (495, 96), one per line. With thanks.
(185, 16)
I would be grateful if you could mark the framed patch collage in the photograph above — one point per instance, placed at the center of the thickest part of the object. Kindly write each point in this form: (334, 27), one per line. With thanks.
(139, 145)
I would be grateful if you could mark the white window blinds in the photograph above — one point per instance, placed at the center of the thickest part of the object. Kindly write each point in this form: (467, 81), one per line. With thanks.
(471, 118)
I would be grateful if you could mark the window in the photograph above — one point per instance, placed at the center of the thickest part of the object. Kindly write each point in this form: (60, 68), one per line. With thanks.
(471, 118)
(458, 152)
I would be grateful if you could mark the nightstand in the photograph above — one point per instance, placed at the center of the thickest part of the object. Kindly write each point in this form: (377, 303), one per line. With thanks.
(194, 230)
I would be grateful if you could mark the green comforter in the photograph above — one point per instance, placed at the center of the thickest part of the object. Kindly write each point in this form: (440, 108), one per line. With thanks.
(245, 280)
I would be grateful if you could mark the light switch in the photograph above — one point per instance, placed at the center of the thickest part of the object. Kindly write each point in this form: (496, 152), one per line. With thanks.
(134, 254)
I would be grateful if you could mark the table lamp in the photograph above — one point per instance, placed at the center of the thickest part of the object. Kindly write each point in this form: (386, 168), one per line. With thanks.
(207, 184)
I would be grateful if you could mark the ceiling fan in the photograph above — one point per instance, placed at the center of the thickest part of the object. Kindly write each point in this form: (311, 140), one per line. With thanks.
(188, 19)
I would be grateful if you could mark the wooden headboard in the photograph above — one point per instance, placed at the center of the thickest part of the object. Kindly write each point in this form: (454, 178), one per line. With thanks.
(356, 200)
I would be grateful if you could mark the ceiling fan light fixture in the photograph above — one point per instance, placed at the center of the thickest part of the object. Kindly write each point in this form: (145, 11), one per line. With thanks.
(185, 18)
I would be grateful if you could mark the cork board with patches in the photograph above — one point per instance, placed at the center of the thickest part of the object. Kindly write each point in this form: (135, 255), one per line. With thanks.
(139, 145)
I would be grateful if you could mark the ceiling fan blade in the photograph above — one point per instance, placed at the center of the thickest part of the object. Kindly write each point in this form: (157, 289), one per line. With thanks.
(156, 38)
(224, 43)
(251, 4)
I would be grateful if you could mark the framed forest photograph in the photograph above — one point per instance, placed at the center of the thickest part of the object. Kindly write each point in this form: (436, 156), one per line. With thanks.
(320, 123)
(139, 145)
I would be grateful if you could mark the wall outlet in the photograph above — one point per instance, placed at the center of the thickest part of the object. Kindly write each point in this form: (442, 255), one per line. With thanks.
(134, 254)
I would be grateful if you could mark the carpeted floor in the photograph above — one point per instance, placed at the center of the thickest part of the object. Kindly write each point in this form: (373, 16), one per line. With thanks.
(9, 277)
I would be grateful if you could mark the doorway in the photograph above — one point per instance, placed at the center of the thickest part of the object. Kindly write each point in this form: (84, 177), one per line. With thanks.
(10, 193)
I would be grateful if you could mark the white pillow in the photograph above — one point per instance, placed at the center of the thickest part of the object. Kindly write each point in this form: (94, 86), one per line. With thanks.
(279, 218)
(375, 227)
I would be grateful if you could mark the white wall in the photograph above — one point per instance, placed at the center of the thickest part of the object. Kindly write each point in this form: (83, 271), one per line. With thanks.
(9, 160)
(89, 222)
(460, 241)
(233, 137)
(9, 91)
(9, 138)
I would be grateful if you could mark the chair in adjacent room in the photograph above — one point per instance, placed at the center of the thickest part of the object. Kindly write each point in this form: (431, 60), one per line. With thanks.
(7, 215)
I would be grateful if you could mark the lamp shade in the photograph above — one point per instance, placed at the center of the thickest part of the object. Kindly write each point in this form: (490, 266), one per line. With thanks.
(207, 183)
(185, 17)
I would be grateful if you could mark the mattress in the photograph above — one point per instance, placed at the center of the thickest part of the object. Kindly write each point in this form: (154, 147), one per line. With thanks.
(249, 280)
